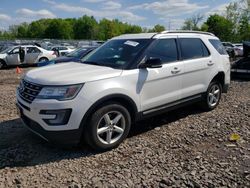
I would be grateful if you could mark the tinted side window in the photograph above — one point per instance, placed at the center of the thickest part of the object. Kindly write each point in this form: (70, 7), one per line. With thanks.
(165, 49)
(192, 48)
(218, 46)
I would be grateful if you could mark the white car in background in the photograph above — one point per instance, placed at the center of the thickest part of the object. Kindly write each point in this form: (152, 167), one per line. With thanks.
(63, 50)
(233, 49)
(239, 48)
(33, 55)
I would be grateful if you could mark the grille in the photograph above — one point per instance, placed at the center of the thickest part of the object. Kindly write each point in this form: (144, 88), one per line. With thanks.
(28, 91)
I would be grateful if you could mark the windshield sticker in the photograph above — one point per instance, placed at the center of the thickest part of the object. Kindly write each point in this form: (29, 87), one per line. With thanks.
(131, 43)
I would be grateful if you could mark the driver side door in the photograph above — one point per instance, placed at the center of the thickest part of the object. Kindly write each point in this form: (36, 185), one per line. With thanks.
(161, 87)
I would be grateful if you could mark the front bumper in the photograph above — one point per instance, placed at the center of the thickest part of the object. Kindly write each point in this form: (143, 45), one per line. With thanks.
(71, 137)
(66, 134)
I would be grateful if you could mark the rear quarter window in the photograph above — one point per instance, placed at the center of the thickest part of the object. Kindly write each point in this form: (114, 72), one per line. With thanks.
(218, 46)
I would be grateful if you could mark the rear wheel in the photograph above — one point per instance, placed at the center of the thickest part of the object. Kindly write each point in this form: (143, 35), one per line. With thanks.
(213, 96)
(108, 127)
(43, 59)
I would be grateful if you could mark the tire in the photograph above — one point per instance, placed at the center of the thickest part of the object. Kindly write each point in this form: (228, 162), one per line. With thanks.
(212, 96)
(43, 59)
(2, 64)
(111, 133)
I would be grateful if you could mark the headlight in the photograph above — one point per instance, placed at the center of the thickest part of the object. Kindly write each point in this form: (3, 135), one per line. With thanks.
(59, 92)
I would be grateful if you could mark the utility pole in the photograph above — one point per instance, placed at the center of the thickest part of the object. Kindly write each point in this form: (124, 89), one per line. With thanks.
(169, 24)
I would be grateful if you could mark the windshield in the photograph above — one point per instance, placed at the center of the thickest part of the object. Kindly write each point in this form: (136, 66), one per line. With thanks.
(76, 53)
(117, 53)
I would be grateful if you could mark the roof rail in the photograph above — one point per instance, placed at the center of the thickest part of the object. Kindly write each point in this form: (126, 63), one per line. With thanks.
(186, 31)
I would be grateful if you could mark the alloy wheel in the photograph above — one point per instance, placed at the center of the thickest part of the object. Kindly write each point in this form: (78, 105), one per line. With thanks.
(111, 127)
(214, 95)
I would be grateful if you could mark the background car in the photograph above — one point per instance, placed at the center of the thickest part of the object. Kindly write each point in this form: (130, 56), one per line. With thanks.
(241, 68)
(74, 56)
(63, 50)
(229, 48)
(239, 48)
(33, 55)
(89, 43)
(234, 50)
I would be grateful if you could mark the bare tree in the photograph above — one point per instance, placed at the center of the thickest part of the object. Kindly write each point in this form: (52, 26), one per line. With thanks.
(193, 22)
(196, 19)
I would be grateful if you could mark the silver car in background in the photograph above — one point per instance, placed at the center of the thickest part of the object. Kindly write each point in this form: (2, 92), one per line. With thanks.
(32, 55)
(63, 50)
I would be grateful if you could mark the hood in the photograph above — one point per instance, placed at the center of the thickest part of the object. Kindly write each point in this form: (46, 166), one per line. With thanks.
(240, 63)
(70, 73)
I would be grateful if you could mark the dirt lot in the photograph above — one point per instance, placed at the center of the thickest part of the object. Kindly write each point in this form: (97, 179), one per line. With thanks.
(183, 148)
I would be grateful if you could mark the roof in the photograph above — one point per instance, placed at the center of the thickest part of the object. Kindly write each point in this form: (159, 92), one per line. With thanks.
(25, 45)
(136, 36)
(151, 35)
(187, 31)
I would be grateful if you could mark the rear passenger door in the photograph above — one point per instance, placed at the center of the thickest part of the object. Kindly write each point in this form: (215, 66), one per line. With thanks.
(197, 63)
(161, 86)
(32, 55)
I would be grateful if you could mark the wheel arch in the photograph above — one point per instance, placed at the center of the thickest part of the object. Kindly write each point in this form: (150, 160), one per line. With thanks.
(124, 100)
(220, 77)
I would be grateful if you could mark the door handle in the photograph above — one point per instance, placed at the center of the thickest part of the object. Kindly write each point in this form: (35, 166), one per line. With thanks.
(210, 63)
(176, 70)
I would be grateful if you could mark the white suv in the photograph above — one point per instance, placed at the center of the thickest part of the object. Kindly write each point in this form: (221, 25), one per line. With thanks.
(128, 78)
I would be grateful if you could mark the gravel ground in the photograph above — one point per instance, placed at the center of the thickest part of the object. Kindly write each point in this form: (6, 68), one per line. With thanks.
(183, 148)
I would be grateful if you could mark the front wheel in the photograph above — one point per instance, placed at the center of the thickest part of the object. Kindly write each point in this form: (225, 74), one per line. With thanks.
(108, 127)
(212, 97)
(2, 64)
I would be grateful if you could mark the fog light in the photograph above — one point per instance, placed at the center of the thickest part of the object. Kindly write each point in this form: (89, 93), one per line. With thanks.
(56, 117)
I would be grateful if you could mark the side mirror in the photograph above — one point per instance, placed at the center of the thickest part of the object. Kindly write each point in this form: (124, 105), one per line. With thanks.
(151, 63)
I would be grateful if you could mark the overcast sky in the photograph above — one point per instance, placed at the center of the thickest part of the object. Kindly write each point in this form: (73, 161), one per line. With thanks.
(146, 13)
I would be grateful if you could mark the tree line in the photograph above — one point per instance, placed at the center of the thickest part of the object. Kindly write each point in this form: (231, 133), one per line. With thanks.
(233, 25)
(85, 27)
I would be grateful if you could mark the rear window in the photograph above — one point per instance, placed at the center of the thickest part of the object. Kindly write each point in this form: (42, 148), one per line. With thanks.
(192, 48)
(31, 50)
(63, 48)
(218, 46)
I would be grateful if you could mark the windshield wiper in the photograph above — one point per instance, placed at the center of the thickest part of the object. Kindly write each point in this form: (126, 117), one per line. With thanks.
(92, 63)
